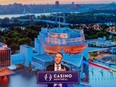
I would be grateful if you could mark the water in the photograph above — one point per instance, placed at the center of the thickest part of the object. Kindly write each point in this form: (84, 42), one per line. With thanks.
(18, 15)
(36, 14)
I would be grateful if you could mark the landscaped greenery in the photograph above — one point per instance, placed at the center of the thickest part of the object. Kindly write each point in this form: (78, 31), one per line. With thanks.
(15, 36)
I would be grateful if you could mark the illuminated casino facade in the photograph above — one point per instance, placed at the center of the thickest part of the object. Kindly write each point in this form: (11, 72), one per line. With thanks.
(4, 55)
(66, 39)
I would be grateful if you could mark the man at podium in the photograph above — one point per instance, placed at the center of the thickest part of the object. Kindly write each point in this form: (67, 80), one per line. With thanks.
(57, 66)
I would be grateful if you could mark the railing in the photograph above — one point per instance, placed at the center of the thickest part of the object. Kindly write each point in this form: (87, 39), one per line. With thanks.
(59, 41)
(109, 64)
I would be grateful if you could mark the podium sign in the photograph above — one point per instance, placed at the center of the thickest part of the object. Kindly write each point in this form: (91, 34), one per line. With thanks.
(47, 77)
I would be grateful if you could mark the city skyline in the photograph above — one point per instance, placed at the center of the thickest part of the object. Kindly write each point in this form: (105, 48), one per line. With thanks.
(6, 2)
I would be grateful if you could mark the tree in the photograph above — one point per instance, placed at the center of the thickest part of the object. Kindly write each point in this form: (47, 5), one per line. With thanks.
(15, 28)
(14, 47)
(12, 34)
(5, 22)
(24, 41)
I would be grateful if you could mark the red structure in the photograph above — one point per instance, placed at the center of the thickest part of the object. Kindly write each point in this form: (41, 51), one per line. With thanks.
(67, 49)
(4, 55)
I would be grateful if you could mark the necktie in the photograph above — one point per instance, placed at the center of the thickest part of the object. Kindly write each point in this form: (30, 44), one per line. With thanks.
(57, 68)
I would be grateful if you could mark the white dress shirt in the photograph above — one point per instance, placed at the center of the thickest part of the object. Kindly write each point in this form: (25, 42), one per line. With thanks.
(57, 68)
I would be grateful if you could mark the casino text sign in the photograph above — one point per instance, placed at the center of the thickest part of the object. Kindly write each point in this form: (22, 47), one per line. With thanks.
(72, 77)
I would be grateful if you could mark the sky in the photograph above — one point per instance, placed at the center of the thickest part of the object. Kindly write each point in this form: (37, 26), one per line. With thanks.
(5, 2)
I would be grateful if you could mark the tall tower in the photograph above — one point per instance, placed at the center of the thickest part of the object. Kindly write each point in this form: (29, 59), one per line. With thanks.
(57, 3)
(72, 3)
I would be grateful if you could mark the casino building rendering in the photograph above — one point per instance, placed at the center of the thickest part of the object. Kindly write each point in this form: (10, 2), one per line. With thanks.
(71, 43)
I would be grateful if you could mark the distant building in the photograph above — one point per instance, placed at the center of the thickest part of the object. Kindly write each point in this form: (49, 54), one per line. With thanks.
(96, 27)
(111, 30)
(73, 3)
(112, 3)
(101, 42)
(4, 55)
(57, 3)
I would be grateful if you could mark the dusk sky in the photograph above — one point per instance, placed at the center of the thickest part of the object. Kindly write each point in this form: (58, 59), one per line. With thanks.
(2, 2)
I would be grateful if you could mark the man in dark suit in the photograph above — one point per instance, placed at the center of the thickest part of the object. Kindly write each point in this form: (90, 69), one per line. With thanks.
(57, 66)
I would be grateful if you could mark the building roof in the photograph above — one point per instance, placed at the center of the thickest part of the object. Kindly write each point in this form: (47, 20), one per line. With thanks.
(75, 60)
(43, 58)
(90, 49)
